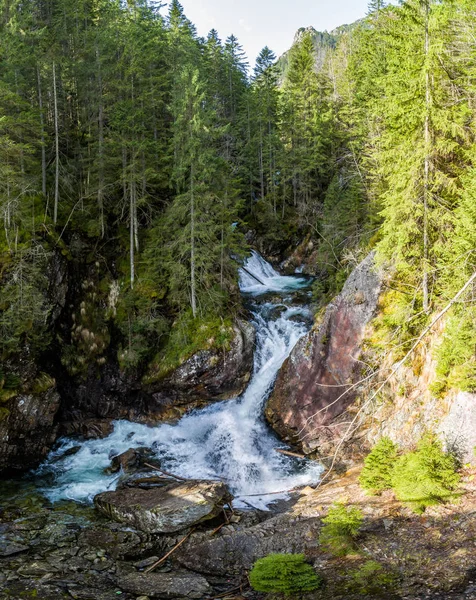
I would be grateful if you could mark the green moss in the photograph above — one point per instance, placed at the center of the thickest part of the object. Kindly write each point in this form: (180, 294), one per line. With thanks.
(427, 476)
(187, 337)
(43, 383)
(376, 475)
(9, 385)
(341, 529)
(286, 574)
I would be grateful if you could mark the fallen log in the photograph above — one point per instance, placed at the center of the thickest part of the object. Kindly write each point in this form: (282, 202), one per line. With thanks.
(248, 272)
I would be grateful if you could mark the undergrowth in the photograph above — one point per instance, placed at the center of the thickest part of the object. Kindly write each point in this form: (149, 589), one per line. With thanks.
(341, 529)
(376, 475)
(286, 574)
(426, 476)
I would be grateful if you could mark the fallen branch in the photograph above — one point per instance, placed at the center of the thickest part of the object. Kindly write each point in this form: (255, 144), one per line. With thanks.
(164, 558)
(248, 272)
(288, 453)
(237, 589)
(165, 472)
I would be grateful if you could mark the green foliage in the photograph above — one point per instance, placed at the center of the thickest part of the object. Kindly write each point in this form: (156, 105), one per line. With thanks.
(187, 337)
(456, 357)
(371, 578)
(90, 335)
(376, 475)
(9, 385)
(341, 529)
(138, 315)
(286, 574)
(24, 307)
(426, 476)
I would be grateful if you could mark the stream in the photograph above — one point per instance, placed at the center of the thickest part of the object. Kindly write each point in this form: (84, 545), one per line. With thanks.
(227, 441)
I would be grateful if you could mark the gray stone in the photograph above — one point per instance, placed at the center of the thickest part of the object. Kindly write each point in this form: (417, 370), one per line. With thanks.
(8, 548)
(459, 427)
(118, 541)
(237, 552)
(165, 585)
(165, 510)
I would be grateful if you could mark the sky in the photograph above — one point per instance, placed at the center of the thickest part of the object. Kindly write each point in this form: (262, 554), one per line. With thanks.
(273, 23)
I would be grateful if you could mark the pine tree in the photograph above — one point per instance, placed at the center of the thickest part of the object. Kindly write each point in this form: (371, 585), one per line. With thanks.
(376, 476)
(419, 142)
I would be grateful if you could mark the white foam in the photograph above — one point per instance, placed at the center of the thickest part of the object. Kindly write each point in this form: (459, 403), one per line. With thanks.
(271, 280)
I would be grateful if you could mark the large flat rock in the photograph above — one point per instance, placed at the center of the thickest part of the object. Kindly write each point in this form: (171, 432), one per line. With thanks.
(165, 510)
(165, 585)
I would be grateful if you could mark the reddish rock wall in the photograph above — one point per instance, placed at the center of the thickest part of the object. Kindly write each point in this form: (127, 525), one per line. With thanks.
(310, 391)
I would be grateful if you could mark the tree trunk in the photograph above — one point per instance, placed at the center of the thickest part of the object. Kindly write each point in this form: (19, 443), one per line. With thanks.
(42, 134)
(100, 146)
(55, 100)
(192, 244)
(132, 227)
(426, 184)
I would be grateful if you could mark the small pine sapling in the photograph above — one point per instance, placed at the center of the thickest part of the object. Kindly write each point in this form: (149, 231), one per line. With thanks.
(427, 476)
(341, 529)
(286, 574)
(376, 475)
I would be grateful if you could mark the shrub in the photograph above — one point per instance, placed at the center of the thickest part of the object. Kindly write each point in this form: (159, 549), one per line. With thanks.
(287, 574)
(341, 528)
(376, 475)
(371, 578)
(427, 476)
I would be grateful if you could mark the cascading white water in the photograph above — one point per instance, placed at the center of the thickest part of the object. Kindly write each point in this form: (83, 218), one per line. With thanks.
(228, 440)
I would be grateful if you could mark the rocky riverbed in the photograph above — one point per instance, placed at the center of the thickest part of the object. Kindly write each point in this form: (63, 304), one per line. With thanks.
(73, 551)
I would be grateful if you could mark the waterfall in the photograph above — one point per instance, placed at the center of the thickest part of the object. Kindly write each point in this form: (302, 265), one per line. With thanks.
(228, 440)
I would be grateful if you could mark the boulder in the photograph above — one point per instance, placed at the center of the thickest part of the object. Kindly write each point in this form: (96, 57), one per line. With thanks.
(180, 584)
(130, 460)
(119, 541)
(167, 509)
(92, 403)
(234, 552)
(309, 391)
(458, 427)
(214, 373)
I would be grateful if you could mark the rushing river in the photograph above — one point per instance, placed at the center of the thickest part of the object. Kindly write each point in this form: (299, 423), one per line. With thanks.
(228, 440)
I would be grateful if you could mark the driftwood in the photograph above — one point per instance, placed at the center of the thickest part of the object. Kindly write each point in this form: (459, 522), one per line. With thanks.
(165, 472)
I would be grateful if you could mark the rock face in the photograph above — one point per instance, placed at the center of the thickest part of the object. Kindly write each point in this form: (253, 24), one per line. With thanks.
(165, 585)
(236, 551)
(28, 429)
(458, 427)
(165, 510)
(206, 376)
(308, 395)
